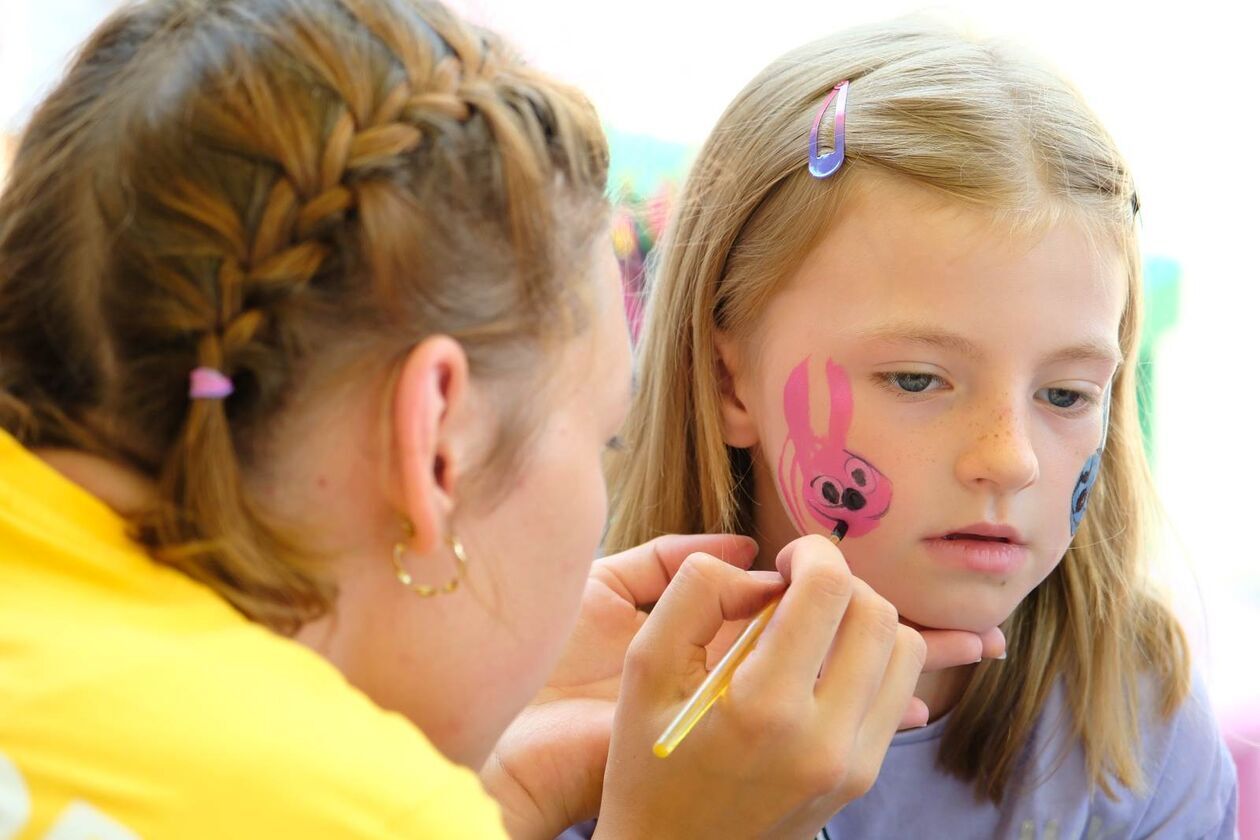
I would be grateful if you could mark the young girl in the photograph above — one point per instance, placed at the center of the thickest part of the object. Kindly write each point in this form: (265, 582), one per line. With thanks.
(899, 305)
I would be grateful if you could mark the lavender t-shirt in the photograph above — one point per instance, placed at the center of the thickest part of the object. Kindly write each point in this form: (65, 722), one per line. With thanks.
(1192, 790)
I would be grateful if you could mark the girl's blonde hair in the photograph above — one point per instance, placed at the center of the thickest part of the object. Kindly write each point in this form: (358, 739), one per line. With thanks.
(984, 125)
(294, 192)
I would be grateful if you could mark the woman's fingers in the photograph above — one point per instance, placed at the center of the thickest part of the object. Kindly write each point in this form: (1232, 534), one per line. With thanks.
(889, 711)
(704, 594)
(641, 574)
(993, 643)
(813, 742)
(794, 646)
(855, 676)
(951, 648)
(915, 715)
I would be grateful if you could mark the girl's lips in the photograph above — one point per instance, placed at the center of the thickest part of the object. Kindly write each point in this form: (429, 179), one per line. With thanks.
(983, 555)
(982, 530)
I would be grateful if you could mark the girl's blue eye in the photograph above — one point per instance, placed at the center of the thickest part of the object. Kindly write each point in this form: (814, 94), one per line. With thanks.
(913, 383)
(1063, 397)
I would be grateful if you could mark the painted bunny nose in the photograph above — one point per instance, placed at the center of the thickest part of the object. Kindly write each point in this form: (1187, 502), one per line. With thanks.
(853, 500)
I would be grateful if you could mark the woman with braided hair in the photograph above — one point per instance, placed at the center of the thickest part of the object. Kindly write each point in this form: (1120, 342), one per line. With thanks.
(309, 353)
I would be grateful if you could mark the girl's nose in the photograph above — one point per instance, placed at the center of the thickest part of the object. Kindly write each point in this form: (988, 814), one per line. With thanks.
(998, 453)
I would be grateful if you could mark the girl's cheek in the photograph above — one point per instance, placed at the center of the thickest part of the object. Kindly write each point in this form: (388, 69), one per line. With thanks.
(825, 483)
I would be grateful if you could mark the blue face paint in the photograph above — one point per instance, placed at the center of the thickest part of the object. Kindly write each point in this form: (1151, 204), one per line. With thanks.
(1089, 472)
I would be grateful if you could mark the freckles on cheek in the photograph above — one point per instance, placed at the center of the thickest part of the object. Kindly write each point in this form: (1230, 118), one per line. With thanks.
(820, 479)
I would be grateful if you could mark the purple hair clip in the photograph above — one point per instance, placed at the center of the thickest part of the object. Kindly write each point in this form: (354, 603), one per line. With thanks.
(824, 166)
(206, 383)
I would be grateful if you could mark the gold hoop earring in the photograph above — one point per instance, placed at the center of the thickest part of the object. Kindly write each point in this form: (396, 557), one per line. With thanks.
(423, 589)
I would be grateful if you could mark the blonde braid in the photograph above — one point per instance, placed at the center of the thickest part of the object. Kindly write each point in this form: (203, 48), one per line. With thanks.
(202, 485)
(276, 189)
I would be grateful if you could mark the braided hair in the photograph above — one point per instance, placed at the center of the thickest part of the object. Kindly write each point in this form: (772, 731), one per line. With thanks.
(282, 191)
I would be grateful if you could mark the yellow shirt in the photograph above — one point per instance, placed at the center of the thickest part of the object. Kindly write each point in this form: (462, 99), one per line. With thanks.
(135, 702)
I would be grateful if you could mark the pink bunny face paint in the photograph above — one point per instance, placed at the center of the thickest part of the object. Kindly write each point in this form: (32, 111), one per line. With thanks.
(820, 478)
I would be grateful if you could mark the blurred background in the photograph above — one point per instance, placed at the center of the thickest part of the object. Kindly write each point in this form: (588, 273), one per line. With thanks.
(1175, 85)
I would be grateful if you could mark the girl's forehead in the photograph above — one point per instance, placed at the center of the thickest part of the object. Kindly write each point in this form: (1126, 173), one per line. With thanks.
(905, 232)
(899, 223)
(900, 255)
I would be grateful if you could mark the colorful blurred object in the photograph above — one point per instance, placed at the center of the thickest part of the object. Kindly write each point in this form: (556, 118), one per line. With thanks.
(1242, 733)
(637, 227)
(640, 163)
(642, 175)
(1162, 290)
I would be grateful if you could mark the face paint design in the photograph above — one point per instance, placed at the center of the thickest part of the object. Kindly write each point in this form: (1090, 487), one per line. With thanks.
(1089, 472)
(819, 477)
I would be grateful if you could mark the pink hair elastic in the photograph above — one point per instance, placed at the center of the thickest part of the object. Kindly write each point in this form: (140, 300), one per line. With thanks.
(824, 166)
(206, 383)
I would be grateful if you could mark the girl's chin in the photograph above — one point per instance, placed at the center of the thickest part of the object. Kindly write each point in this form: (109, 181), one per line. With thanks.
(926, 600)
(972, 621)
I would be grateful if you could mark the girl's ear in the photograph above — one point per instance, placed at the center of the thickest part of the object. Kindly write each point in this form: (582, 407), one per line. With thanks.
(738, 427)
(430, 436)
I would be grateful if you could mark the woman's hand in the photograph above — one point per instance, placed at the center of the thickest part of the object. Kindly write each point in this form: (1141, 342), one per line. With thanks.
(805, 724)
(547, 770)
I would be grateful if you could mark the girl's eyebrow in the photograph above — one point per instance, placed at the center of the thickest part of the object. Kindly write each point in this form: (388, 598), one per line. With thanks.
(1090, 350)
(921, 334)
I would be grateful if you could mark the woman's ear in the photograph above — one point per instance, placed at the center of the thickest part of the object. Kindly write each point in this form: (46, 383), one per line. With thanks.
(431, 433)
(738, 427)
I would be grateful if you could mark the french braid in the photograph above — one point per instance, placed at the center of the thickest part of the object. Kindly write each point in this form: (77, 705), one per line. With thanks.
(274, 189)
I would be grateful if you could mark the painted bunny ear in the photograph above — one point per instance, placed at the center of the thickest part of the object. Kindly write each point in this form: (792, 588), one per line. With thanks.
(841, 402)
(789, 480)
(799, 444)
(796, 405)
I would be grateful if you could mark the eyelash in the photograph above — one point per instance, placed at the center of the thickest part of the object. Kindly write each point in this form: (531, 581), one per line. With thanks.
(615, 444)
(1084, 404)
(889, 379)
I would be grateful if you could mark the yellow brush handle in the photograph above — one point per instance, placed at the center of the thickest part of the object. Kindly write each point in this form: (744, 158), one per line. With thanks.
(714, 685)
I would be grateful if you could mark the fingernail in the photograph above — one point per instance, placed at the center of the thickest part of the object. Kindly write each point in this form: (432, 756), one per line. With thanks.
(1003, 656)
(977, 661)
